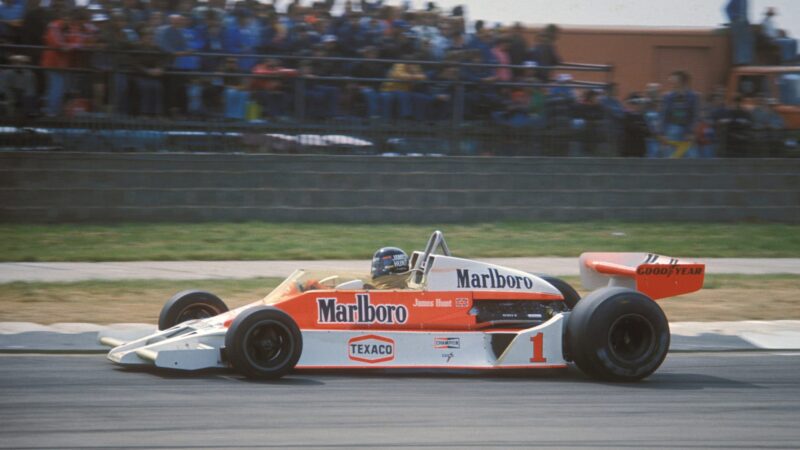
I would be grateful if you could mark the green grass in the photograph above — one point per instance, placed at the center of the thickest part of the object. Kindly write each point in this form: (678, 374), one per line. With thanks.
(115, 301)
(259, 241)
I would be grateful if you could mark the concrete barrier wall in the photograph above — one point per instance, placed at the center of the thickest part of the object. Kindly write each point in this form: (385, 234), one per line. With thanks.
(109, 187)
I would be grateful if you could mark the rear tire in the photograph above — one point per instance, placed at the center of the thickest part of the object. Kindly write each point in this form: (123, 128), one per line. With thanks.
(571, 296)
(190, 305)
(618, 334)
(263, 343)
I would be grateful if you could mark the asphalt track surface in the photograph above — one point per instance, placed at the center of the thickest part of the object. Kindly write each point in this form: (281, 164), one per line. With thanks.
(722, 400)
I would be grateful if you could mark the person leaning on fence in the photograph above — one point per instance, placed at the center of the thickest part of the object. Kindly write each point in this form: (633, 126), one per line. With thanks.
(767, 126)
(679, 114)
(401, 92)
(708, 128)
(368, 90)
(235, 91)
(737, 126)
(480, 93)
(172, 39)
(114, 67)
(269, 91)
(559, 102)
(63, 36)
(150, 66)
(614, 114)
(442, 91)
(322, 97)
(522, 107)
(197, 88)
(635, 130)
(241, 35)
(587, 118)
(652, 114)
(18, 87)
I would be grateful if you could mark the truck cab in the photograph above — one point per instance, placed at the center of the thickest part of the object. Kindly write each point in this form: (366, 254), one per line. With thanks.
(779, 82)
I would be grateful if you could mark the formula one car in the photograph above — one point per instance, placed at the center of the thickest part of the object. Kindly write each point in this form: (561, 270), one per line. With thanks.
(453, 313)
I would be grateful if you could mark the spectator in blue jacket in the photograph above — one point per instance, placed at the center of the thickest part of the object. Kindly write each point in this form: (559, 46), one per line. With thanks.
(11, 14)
(481, 41)
(150, 65)
(242, 35)
(369, 91)
(348, 31)
(213, 43)
(172, 39)
(614, 114)
(679, 108)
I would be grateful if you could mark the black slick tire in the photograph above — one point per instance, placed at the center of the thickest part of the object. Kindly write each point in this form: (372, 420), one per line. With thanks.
(617, 334)
(263, 343)
(190, 305)
(571, 296)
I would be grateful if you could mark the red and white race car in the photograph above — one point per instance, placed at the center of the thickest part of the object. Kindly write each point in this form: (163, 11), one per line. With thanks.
(454, 313)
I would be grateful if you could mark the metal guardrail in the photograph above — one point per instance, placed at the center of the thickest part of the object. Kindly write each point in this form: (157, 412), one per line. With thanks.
(457, 132)
(566, 67)
(546, 135)
(577, 67)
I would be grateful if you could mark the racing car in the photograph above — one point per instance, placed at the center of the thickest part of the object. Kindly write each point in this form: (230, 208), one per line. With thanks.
(451, 313)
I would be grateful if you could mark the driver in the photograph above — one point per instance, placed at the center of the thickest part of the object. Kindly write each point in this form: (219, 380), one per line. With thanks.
(389, 269)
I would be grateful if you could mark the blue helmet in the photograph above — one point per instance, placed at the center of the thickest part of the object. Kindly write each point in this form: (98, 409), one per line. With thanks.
(388, 260)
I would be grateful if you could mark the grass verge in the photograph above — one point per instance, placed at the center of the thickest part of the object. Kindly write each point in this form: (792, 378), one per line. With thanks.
(135, 301)
(260, 241)
(725, 297)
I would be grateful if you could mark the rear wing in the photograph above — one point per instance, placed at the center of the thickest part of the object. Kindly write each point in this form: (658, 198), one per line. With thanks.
(654, 275)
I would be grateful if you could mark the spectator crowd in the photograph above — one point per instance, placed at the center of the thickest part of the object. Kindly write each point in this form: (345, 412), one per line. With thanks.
(681, 123)
(355, 59)
(170, 36)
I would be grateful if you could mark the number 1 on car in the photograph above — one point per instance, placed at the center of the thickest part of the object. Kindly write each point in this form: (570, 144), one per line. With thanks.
(538, 348)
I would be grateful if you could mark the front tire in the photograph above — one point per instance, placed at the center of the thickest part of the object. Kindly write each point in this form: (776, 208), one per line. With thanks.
(190, 305)
(263, 343)
(618, 334)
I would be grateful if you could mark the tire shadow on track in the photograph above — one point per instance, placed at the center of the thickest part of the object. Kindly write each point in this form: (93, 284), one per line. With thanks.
(220, 375)
(662, 381)
(311, 376)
